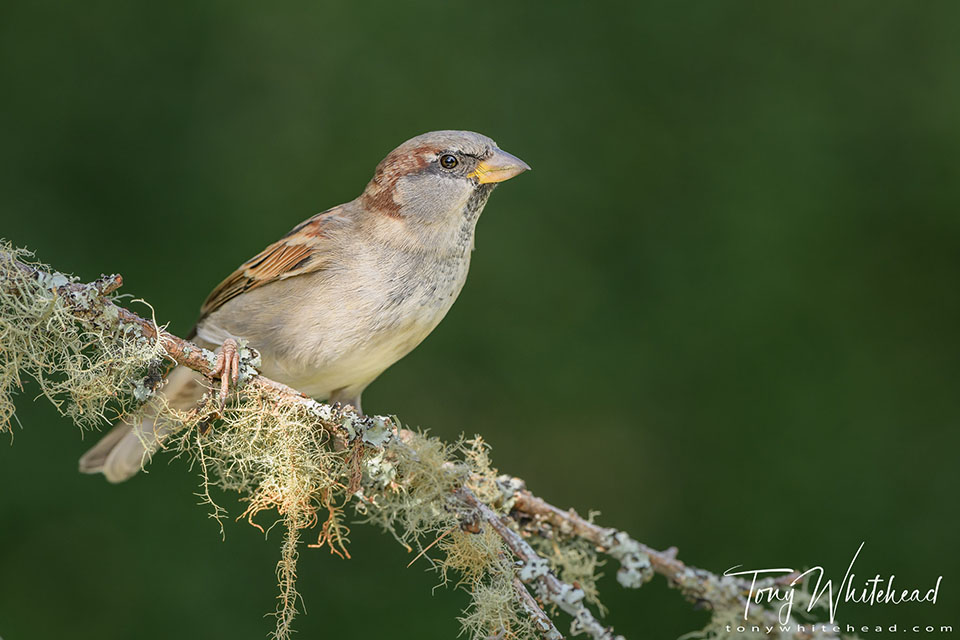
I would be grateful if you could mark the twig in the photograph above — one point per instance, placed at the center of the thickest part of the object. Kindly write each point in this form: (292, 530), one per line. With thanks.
(635, 558)
(431, 545)
(701, 586)
(540, 618)
(535, 571)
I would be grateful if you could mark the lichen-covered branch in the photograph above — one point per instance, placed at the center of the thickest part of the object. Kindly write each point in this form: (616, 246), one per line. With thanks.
(89, 302)
(636, 560)
(535, 569)
(543, 622)
(310, 464)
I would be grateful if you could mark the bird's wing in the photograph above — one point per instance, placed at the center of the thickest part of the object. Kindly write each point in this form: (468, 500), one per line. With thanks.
(301, 251)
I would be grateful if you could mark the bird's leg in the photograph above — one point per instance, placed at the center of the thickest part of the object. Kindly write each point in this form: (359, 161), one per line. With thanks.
(345, 397)
(227, 367)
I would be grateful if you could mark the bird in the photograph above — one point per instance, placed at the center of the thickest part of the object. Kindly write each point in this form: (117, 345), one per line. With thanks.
(345, 294)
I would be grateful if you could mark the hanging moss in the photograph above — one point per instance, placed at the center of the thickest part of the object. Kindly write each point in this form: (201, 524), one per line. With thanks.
(91, 376)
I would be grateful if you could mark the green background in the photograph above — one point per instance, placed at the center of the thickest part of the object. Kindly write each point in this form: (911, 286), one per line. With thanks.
(722, 309)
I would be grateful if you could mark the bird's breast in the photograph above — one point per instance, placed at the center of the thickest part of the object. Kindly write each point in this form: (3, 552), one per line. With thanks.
(418, 290)
(367, 318)
(343, 327)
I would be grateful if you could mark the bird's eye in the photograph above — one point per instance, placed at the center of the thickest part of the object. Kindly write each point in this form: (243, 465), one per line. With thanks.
(448, 161)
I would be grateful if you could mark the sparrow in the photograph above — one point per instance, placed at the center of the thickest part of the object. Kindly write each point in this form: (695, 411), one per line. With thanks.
(343, 295)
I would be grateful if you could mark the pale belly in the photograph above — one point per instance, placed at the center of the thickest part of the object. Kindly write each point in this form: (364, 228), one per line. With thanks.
(351, 368)
(333, 340)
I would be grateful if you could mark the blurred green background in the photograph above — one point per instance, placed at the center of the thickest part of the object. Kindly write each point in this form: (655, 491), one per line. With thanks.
(722, 309)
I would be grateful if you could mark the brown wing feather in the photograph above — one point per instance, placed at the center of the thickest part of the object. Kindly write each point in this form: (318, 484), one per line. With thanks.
(298, 252)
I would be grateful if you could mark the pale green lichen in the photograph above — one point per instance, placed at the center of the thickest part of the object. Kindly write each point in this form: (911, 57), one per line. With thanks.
(282, 459)
(90, 375)
(635, 568)
(494, 612)
(416, 505)
(575, 561)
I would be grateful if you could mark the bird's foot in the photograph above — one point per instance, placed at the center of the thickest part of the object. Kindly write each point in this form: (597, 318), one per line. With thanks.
(227, 367)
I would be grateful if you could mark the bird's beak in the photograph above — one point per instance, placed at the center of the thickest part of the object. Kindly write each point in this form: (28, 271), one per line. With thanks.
(498, 167)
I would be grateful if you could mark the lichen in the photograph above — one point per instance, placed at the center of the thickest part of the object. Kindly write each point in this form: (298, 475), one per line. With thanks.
(417, 506)
(494, 612)
(574, 561)
(283, 460)
(635, 568)
(279, 458)
(90, 375)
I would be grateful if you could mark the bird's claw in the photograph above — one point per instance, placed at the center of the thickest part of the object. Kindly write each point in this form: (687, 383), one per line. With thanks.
(227, 367)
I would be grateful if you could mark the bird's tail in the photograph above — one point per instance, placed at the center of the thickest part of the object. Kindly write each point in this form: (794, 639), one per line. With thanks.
(129, 445)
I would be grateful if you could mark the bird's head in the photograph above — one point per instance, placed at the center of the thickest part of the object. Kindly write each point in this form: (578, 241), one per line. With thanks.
(439, 177)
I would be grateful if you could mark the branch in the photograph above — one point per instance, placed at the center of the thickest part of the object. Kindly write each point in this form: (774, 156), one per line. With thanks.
(541, 619)
(535, 570)
(305, 460)
(89, 303)
(635, 559)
